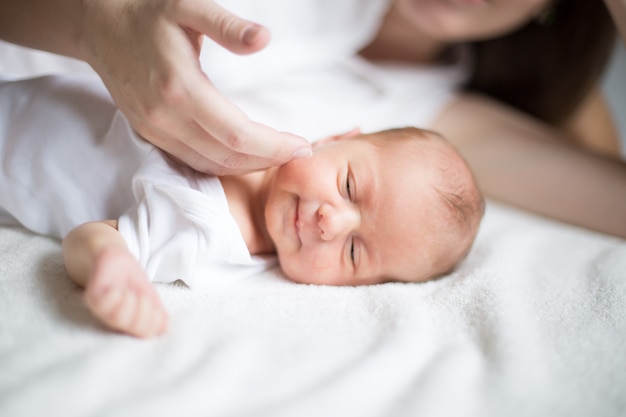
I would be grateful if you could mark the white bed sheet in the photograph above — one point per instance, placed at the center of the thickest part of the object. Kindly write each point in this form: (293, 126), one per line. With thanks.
(532, 324)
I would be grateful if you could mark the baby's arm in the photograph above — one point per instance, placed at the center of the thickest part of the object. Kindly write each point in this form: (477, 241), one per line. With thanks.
(117, 290)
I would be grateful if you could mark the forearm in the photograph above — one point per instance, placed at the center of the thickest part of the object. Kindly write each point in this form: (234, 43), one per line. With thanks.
(522, 162)
(85, 243)
(592, 126)
(618, 11)
(51, 25)
(559, 182)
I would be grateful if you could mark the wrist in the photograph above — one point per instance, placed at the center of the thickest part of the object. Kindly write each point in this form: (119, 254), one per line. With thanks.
(96, 28)
(87, 29)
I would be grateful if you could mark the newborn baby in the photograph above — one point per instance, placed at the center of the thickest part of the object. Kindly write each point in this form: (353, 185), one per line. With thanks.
(395, 205)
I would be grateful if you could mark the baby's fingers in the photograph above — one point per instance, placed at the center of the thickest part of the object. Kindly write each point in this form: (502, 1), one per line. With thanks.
(132, 313)
(150, 318)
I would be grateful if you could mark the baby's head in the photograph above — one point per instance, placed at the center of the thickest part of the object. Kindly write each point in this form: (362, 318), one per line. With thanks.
(396, 205)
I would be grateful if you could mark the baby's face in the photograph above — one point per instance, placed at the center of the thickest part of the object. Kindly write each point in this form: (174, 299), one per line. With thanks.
(357, 212)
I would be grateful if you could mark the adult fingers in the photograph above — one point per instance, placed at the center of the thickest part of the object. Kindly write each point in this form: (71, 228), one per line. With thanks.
(206, 131)
(225, 122)
(229, 30)
(215, 158)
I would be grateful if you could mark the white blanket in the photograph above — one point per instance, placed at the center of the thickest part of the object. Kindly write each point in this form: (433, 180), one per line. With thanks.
(533, 323)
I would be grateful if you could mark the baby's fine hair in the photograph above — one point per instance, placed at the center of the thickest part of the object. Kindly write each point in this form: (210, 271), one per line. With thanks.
(466, 206)
(463, 204)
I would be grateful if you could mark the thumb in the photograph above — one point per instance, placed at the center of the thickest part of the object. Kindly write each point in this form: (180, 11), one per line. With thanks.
(238, 35)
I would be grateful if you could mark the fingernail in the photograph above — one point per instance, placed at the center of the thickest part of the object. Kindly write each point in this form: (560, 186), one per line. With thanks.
(302, 153)
(250, 34)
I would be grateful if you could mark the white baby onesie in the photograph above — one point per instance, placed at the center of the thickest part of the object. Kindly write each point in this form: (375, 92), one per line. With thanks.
(68, 156)
(181, 228)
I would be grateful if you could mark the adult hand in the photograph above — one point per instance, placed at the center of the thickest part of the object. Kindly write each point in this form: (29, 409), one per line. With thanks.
(147, 53)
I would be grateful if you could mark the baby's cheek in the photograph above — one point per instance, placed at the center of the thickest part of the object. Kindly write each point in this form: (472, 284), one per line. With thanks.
(312, 268)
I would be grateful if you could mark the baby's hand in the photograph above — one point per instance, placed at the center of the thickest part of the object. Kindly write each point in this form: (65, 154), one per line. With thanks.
(122, 297)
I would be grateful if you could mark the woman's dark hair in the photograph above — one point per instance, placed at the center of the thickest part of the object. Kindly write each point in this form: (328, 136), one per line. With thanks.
(548, 66)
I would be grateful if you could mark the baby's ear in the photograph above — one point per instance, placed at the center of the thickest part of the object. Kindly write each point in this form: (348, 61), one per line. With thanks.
(349, 134)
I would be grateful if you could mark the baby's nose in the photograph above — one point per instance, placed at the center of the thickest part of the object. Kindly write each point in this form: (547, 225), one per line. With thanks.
(336, 221)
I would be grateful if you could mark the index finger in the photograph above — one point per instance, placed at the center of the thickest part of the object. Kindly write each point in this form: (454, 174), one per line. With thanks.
(228, 124)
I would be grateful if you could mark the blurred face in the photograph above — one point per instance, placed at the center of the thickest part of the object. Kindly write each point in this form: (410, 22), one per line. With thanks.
(356, 213)
(468, 20)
